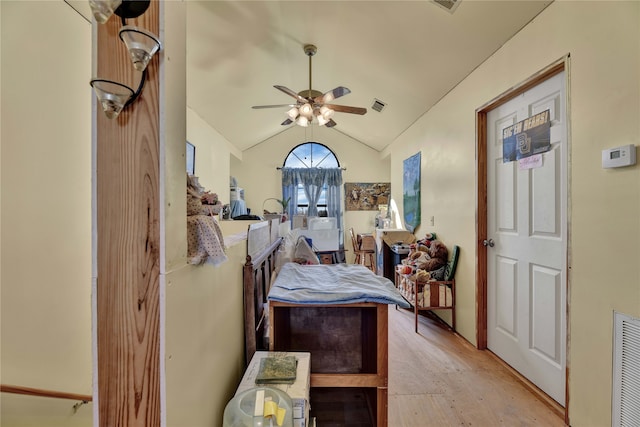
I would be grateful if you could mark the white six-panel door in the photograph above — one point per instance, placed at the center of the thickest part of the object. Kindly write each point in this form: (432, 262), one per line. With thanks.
(526, 267)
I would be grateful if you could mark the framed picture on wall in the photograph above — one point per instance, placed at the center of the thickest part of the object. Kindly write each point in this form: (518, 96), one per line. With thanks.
(191, 158)
(365, 196)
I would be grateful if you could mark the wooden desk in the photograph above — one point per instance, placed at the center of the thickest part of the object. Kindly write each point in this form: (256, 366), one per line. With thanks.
(384, 257)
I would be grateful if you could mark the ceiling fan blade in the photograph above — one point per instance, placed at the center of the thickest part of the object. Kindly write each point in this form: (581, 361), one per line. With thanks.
(257, 107)
(290, 93)
(347, 109)
(330, 123)
(332, 94)
(287, 122)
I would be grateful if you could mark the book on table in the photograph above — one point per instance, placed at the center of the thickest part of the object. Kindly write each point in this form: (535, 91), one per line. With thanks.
(277, 369)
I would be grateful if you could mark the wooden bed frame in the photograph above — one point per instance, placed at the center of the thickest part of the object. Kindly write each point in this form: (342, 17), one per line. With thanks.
(257, 279)
(348, 342)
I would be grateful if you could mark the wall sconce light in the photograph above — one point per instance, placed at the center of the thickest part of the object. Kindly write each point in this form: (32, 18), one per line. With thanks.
(113, 96)
(103, 9)
(142, 45)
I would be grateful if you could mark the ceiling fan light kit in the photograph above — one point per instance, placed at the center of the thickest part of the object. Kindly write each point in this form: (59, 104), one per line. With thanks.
(321, 120)
(326, 112)
(293, 113)
(312, 104)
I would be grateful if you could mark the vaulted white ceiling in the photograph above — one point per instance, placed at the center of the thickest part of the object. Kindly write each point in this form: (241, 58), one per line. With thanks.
(407, 54)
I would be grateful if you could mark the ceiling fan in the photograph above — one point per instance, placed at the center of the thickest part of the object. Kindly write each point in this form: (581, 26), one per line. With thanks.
(311, 103)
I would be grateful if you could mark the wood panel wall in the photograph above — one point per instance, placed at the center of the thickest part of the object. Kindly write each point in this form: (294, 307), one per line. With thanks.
(128, 239)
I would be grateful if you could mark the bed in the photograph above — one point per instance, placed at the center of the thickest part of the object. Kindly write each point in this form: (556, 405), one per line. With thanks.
(338, 313)
(257, 274)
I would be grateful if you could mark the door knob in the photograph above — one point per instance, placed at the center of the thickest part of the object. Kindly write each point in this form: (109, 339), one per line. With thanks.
(489, 243)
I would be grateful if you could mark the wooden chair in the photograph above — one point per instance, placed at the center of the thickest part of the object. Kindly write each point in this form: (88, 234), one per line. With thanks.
(363, 255)
(435, 302)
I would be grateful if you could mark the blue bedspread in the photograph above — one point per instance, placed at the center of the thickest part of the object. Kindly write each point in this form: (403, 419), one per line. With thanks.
(333, 284)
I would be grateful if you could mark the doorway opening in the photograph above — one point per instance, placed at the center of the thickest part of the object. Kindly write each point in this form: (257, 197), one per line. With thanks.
(484, 240)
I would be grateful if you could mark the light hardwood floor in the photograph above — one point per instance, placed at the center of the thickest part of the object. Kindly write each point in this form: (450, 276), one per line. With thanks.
(437, 378)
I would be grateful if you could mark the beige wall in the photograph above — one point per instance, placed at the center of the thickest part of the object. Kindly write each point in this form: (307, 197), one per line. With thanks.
(257, 172)
(205, 340)
(45, 210)
(212, 155)
(603, 39)
(202, 306)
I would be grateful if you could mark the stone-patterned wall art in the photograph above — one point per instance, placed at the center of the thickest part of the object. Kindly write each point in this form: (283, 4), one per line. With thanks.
(366, 196)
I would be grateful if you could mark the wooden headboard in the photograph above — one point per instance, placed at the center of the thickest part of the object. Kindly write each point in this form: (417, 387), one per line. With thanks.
(257, 274)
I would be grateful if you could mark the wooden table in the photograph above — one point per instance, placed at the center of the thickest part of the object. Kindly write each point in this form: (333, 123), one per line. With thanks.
(366, 241)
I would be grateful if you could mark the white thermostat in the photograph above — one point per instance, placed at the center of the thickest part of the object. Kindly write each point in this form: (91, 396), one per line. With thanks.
(619, 157)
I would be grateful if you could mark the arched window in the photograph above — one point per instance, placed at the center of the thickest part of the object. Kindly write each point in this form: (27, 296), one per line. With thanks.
(313, 156)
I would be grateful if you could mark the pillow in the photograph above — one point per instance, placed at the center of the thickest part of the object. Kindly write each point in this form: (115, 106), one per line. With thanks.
(438, 274)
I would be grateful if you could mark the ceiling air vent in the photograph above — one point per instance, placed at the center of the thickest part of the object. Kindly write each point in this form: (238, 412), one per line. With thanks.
(378, 105)
(449, 5)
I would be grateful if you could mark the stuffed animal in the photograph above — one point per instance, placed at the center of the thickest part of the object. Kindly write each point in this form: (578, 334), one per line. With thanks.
(424, 243)
(422, 276)
(438, 256)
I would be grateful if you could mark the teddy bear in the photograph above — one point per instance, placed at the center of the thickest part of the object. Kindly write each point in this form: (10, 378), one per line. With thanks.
(438, 254)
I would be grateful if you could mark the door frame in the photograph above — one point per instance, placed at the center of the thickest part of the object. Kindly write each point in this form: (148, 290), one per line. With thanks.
(556, 67)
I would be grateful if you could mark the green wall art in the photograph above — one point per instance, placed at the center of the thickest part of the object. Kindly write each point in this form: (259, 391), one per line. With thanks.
(411, 192)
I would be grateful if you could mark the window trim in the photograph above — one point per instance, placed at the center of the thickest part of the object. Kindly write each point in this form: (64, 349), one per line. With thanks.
(290, 153)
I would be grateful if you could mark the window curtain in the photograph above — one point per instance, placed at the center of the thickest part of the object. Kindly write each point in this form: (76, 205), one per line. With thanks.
(334, 205)
(334, 183)
(313, 180)
(290, 190)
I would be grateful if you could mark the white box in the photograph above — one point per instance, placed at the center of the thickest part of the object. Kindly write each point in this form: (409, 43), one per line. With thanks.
(322, 223)
(323, 240)
(299, 221)
(298, 391)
